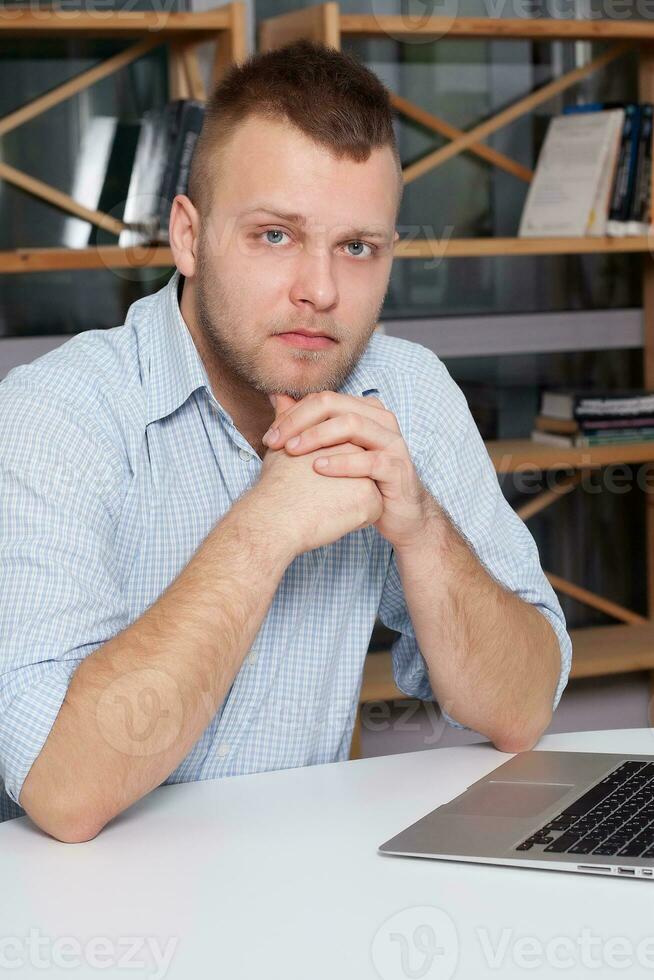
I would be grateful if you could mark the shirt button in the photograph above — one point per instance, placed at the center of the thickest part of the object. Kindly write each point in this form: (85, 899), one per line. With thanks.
(223, 749)
(252, 658)
(244, 454)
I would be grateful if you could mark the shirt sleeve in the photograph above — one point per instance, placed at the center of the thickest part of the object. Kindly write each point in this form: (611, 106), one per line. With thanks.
(454, 466)
(60, 494)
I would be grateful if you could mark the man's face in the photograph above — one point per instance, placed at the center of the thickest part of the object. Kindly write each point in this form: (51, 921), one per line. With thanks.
(262, 271)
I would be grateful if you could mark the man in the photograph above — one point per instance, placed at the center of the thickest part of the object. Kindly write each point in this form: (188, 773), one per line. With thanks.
(186, 592)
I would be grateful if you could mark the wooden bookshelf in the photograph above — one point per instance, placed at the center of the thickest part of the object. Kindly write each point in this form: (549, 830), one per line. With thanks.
(540, 29)
(55, 22)
(598, 651)
(111, 256)
(107, 256)
(514, 455)
(180, 33)
(226, 26)
(466, 248)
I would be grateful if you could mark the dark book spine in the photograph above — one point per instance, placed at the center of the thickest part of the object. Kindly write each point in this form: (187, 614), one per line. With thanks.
(619, 198)
(183, 137)
(570, 110)
(611, 424)
(633, 158)
(172, 125)
(641, 200)
(603, 439)
(188, 137)
(593, 418)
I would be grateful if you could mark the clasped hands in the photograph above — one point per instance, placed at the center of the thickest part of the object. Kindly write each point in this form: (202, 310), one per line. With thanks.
(326, 419)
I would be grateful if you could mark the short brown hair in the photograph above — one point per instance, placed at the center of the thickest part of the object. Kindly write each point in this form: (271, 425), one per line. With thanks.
(329, 96)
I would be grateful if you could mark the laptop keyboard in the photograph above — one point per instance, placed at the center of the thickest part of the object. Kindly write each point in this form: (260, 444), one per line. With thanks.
(614, 817)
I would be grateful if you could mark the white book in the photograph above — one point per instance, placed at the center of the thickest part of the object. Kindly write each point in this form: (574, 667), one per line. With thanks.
(602, 204)
(143, 195)
(88, 180)
(570, 184)
(551, 439)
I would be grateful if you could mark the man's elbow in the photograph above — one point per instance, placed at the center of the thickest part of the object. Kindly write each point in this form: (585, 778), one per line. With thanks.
(521, 738)
(73, 832)
(73, 828)
(70, 824)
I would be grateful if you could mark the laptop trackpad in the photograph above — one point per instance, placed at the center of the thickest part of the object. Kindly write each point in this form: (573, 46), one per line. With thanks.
(505, 799)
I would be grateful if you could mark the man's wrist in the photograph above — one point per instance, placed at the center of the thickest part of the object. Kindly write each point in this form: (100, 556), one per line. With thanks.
(432, 523)
(256, 510)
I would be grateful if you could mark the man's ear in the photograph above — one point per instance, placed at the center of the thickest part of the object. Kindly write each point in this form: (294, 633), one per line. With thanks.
(183, 233)
(396, 235)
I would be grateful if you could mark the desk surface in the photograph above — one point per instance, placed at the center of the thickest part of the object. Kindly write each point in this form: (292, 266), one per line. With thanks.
(276, 875)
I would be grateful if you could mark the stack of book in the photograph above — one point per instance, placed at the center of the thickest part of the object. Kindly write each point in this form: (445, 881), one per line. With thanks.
(594, 418)
(161, 167)
(594, 173)
(133, 170)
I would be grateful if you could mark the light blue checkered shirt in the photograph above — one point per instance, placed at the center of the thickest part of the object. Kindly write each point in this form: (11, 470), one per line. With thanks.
(116, 460)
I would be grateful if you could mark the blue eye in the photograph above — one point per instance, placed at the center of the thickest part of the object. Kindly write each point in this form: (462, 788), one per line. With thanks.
(274, 231)
(359, 245)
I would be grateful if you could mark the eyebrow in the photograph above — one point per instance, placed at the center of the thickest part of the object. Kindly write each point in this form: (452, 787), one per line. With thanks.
(300, 220)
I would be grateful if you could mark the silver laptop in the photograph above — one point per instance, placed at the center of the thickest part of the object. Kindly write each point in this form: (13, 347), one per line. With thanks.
(565, 811)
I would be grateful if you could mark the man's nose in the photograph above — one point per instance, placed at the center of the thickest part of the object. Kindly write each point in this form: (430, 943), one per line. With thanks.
(315, 280)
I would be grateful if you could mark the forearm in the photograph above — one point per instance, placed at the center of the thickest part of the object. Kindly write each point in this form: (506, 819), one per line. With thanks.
(136, 706)
(493, 659)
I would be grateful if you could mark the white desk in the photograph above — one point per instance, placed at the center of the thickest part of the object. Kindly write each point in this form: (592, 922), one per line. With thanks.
(276, 875)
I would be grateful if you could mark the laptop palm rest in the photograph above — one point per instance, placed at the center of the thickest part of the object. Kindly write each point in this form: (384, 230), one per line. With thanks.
(501, 798)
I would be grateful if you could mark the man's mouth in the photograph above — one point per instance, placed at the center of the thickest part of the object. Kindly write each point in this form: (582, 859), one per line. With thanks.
(306, 339)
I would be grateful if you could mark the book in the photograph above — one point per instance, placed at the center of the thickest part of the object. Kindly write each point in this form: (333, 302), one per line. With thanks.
(592, 439)
(185, 123)
(142, 204)
(598, 221)
(547, 423)
(640, 211)
(577, 404)
(571, 187)
(630, 198)
(599, 436)
(89, 175)
(617, 224)
(161, 168)
(116, 182)
(552, 439)
(613, 424)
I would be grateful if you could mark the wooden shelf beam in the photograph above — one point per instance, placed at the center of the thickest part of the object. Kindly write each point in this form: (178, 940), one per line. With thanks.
(109, 257)
(44, 259)
(536, 29)
(437, 125)
(458, 248)
(520, 455)
(17, 22)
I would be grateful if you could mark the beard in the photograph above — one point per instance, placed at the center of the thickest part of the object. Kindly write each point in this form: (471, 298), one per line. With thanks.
(221, 326)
